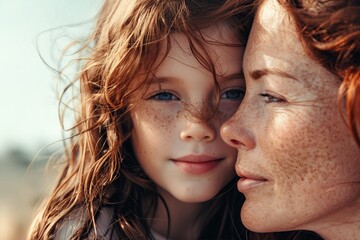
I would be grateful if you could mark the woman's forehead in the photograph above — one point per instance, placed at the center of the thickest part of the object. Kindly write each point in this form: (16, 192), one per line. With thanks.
(275, 44)
(274, 31)
(271, 15)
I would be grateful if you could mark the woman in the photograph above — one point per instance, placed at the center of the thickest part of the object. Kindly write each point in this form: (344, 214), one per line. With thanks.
(297, 129)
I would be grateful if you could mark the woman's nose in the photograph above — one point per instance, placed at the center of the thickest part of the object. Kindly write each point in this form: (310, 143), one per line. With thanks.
(237, 133)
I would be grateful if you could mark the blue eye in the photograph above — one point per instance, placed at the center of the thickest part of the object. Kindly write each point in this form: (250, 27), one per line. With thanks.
(164, 96)
(234, 94)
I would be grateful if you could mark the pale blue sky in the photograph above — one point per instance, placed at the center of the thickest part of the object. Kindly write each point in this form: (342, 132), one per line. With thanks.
(28, 104)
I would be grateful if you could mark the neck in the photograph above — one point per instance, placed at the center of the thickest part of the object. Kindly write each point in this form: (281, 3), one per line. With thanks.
(185, 218)
(343, 225)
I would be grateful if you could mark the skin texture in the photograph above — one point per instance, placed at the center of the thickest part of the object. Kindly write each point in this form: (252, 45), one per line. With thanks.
(171, 121)
(301, 163)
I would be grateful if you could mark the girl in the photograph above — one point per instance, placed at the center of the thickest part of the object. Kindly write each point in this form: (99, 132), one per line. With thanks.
(145, 160)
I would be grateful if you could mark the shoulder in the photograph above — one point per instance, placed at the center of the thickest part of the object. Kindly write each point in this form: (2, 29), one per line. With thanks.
(106, 224)
(70, 224)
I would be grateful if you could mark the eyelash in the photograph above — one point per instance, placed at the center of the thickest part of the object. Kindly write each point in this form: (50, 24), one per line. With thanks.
(271, 99)
(169, 94)
(171, 97)
(240, 96)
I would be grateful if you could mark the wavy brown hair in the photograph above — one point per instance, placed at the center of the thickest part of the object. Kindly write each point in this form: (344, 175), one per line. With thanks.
(330, 32)
(100, 169)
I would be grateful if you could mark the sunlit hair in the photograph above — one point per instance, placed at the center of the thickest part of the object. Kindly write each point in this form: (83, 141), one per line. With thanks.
(100, 169)
(330, 30)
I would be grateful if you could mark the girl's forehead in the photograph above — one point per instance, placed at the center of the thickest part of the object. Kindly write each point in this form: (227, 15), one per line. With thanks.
(212, 38)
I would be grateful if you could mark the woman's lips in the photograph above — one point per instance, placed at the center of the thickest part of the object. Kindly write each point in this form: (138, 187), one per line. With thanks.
(249, 181)
(197, 164)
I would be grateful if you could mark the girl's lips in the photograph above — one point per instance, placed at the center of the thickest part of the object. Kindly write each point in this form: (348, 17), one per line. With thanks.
(197, 164)
(197, 167)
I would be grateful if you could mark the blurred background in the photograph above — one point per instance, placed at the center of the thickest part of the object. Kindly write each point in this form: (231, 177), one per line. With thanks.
(29, 126)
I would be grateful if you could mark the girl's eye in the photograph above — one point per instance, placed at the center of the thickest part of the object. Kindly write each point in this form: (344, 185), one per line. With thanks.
(234, 94)
(164, 96)
(271, 99)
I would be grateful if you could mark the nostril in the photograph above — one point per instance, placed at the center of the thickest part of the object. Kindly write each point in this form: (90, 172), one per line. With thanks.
(235, 142)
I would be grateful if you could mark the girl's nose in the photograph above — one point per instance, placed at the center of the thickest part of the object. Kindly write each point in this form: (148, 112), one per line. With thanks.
(198, 131)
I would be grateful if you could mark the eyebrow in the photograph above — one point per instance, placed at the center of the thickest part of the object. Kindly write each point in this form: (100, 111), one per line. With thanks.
(259, 73)
(238, 75)
(157, 80)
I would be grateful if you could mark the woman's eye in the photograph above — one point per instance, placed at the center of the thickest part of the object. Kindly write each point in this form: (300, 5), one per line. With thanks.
(271, 99)
(164, 96)
(236, 94)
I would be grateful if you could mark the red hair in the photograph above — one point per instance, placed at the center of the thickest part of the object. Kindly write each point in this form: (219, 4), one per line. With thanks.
(330, 32)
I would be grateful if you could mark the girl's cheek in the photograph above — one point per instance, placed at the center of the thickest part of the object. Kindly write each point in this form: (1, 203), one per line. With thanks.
(157, 116)
(227, 110)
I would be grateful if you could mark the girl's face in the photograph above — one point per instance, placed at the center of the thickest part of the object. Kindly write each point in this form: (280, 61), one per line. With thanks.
(298, 163)
(178, 149)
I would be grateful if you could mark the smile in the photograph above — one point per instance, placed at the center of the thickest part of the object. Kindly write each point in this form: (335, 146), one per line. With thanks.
(197, 164)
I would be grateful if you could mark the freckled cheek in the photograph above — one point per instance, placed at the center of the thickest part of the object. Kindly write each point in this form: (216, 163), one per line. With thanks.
(226, 111)
(295, 151)
(156, 117)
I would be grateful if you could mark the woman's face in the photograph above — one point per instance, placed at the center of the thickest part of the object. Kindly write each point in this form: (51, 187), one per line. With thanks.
(175, 139)
(299, 166)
